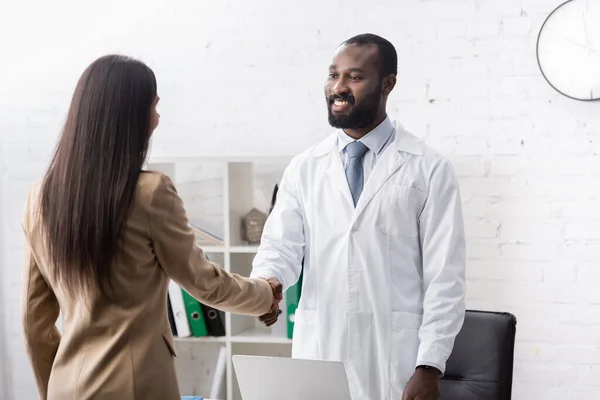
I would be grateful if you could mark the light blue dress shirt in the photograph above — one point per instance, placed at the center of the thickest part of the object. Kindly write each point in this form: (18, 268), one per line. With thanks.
(376, 141)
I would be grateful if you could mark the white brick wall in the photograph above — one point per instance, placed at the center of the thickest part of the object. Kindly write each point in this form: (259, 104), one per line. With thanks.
(4, 360)
(242, 76)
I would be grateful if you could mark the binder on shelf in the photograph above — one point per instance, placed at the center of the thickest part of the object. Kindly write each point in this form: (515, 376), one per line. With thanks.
(194, 314)
(292, 297)
(274, 197)
(171, 317)
(215, 320)
(179, 312)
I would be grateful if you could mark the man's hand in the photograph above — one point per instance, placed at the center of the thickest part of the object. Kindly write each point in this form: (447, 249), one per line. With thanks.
(271, 317)
(423, 385)
(277, 290)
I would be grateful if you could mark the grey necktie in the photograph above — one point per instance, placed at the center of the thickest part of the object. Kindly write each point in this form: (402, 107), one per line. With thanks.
(354, 169)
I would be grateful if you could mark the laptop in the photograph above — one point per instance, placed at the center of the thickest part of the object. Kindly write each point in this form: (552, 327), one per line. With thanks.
(276, 378)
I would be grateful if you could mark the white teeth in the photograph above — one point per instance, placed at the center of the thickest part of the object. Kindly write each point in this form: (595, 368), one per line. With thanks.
(340, 103)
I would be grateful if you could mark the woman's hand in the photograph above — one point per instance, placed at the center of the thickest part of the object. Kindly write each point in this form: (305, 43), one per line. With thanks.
(271, 317)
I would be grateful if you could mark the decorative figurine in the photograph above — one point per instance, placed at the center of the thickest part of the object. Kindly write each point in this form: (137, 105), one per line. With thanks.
(252, 226)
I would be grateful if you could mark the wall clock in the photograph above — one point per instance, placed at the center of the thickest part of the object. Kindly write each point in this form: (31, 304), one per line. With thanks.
(568, 49)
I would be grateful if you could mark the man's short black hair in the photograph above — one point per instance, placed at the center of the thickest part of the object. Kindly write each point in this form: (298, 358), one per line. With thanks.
(388, 59)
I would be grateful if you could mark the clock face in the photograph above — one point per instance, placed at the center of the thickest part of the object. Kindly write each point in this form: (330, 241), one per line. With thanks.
(568, 49)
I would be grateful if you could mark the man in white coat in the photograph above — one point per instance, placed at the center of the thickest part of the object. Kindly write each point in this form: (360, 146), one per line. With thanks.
(374, 216)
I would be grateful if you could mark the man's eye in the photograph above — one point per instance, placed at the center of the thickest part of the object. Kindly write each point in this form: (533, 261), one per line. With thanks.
(355, 78)
(332, 75)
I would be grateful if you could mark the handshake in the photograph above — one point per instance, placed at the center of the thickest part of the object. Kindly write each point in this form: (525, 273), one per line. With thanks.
(271, 317)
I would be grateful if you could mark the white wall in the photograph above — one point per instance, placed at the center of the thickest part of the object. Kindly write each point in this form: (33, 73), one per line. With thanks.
(4, 361)
(238, 77)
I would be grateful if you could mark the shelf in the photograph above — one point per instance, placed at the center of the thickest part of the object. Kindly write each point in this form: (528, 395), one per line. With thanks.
(250, 336)
(218, 191)
(256, 335)
(205, 339)
(212, 249)
(243, 249)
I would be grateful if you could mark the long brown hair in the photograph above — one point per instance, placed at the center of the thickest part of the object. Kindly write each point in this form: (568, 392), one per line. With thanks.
(90, 183)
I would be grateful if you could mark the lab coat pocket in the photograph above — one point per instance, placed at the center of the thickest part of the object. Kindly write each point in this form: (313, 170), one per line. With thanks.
(399, 210)
(305, 342)
(404, 348)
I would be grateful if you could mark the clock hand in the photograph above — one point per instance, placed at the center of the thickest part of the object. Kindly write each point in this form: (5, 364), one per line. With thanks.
(581, 46)
(587, 37)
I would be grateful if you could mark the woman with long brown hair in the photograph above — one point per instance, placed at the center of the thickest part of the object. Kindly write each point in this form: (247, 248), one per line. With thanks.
(103, 238)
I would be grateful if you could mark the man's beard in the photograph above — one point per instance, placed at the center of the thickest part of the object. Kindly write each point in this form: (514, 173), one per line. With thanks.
(360, 116)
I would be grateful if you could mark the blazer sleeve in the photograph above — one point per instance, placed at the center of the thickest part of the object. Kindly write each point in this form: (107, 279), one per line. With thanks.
(39, 312)
(185, 263)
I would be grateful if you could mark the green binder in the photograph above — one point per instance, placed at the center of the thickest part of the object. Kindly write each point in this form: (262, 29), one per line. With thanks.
(292, 297)
(195, 315)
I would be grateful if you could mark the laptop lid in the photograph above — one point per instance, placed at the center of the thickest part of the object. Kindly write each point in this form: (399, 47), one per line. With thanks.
(276, 378)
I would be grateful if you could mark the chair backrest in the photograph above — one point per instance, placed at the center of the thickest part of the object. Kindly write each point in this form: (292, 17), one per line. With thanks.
(481, 363)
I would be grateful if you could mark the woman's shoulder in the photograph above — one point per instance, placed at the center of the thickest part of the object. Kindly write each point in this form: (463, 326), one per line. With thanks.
(151, 184)
(32, 201)
(150, 180)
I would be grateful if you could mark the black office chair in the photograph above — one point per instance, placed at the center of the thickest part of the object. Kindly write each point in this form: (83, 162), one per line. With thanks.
(481, 364)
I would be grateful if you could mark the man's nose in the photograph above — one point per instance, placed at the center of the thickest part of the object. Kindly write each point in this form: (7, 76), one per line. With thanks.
(339, 87)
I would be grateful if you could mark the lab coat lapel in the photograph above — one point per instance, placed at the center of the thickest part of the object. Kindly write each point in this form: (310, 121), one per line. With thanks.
(336, 175)
(391, 160)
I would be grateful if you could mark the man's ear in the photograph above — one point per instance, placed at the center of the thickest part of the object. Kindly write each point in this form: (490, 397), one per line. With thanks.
(389, 82)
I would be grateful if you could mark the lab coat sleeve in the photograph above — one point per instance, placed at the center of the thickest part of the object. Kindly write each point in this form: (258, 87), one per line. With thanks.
(281, 250)
(444, 262)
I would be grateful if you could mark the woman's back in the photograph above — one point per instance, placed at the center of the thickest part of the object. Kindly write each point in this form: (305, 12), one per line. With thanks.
(122, 348)
(105, 262)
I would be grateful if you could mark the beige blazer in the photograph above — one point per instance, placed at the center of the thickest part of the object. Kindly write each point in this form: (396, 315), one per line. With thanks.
(124, 350)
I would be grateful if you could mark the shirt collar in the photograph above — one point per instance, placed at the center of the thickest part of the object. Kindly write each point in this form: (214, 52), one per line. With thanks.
(374, 140)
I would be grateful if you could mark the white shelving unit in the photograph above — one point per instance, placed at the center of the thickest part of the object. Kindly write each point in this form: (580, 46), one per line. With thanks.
(222, 190)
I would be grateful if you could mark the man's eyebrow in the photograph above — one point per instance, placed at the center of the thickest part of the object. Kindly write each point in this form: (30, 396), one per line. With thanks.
(333, 67)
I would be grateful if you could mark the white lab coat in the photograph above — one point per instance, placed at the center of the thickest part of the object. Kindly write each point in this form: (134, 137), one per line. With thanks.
(384, 283)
